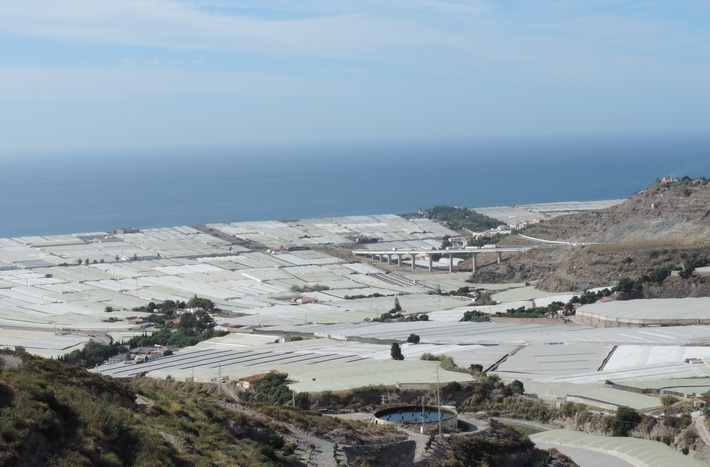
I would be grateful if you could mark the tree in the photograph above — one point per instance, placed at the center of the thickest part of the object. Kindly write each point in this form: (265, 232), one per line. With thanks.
(397, 307)
(187, 324)
(516, 387)
(624, 421)
(203, 321)
(628, 285)
(193, 324)
(272, 389)
(569, 309)
(302, 400)
(168, 306)
(413, 338)
(204, 303)
(396, 352)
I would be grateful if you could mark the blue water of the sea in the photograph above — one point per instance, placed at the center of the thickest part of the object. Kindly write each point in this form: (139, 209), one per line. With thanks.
(59, 193)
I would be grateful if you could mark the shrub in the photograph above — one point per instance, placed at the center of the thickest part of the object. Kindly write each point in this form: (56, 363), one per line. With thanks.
(624, 421)
(668, 400)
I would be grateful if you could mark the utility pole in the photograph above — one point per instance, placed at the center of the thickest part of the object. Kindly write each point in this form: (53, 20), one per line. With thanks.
(438, 396)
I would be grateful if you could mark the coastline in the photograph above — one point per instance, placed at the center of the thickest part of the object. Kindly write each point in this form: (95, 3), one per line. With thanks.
(506, 214)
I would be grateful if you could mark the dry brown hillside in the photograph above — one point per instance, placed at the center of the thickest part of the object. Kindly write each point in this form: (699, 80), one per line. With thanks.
(670, 211)
(656, 228)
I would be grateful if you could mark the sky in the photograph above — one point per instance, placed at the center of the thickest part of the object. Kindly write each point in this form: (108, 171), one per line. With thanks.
(113, 74)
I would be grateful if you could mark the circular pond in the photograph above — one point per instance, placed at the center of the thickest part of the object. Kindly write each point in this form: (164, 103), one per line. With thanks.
(416, 415)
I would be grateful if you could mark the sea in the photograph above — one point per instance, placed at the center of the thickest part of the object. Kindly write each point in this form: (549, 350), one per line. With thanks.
(98, 191)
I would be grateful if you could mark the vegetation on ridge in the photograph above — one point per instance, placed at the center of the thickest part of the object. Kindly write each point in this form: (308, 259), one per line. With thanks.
(53, 413)
(190, 329)
(457, 218)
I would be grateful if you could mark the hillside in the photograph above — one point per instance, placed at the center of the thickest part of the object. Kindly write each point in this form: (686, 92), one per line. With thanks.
(659, 212)
(52, 413)
(58, 414)
(659, 227)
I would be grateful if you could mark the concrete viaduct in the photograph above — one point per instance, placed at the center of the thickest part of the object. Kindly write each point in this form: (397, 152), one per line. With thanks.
(450, 252)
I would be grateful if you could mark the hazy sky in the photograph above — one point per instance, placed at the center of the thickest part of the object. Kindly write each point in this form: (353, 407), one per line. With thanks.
(147, 73)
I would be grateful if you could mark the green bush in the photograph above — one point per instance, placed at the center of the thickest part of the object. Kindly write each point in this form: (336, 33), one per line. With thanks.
(624, 421)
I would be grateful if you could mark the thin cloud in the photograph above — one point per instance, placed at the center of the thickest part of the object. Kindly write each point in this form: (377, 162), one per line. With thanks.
(349, 68)
(455, 33)
(320, 7)
(169, 24)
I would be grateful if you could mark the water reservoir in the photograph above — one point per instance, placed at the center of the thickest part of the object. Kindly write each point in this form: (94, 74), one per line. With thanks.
(413, 415)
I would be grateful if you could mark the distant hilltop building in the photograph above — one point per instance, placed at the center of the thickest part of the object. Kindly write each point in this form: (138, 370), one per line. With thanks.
(522, 224)
(683, 180)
